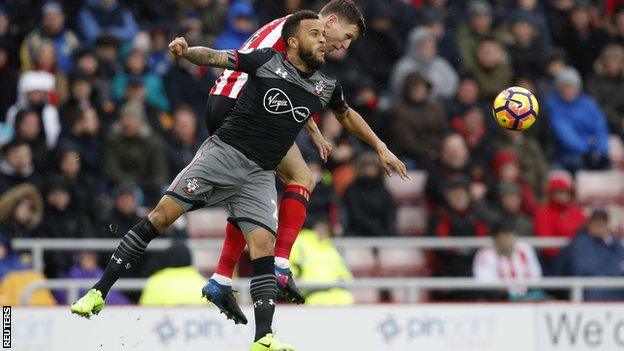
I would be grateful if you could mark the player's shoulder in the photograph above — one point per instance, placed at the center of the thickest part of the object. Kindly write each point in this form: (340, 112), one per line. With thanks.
(269, 52)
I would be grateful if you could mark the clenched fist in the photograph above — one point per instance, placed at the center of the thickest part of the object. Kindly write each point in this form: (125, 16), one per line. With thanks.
(178, 47)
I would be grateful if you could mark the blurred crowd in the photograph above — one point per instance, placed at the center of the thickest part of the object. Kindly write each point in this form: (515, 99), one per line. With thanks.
(96, 118)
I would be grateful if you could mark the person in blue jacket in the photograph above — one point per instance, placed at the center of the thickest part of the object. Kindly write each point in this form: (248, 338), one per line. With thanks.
(594, 252)
(578, 125)
(240, 25)
(106, 17)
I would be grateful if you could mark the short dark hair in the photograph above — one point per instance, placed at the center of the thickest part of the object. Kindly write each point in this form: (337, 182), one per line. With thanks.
(347, 11)
(291, 25)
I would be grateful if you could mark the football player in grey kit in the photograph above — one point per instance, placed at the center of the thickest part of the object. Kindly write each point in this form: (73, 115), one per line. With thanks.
(237, 164)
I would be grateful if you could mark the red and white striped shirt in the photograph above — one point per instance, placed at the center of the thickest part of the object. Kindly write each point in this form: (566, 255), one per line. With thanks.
(489, 266)
(230, 83)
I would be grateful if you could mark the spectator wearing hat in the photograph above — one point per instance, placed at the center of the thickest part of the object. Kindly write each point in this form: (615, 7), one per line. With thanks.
(106, 17)
(133, 153)
(8, 80)
(478, 28)
(510, 261)
(21, 211)
(559, 216)
(16, 165)
(32, 88)
(52, 29)
(369, 206)
(122, 217)
(583, 41)
(491, 68)
(526, 47)
(419, 123)
(606, 83)
(436, 19)
(422, 57)
(578, 124)
(594, 252)
(136, 70)
(240, 24)
(506, 207)
(44, 60)
(458, 217)
(532, 161)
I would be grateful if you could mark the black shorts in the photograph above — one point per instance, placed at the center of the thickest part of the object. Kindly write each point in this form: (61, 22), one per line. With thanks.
(217, 109)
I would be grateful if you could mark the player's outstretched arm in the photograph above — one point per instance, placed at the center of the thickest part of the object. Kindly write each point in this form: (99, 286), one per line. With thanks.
(324, 147)
(355, 124)
(201, 55)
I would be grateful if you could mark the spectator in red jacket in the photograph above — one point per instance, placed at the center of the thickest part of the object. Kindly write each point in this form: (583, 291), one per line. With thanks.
(506, 169)
(560, 216)
(459, 217)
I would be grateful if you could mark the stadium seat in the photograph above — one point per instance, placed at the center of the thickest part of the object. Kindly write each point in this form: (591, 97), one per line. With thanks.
(365, 295)
(207, 222)
(599, 187)
(407, 192)
(400, 295)
(205, 260)
(411, 220)
(616, 151)
(399, 261)
(361, 261)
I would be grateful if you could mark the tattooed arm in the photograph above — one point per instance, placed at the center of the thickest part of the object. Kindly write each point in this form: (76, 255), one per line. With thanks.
(201, 55)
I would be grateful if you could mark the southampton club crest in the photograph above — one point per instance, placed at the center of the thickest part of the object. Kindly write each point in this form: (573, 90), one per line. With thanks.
(192, 184)
(319, 87)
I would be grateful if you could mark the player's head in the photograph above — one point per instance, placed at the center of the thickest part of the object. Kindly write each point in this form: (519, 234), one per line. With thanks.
(343, 23)
(303, 32)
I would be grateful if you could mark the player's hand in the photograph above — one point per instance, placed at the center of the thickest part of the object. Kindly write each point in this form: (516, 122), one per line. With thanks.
(324, 148)
(389, 162)
(178, 47)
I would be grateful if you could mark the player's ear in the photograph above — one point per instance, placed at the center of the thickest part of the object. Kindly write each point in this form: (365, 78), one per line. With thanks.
(331, 20)
(293, 42)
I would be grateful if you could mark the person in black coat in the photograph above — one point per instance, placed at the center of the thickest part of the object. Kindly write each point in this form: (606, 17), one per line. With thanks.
(61, 221)
(370, 208)
(182, 140)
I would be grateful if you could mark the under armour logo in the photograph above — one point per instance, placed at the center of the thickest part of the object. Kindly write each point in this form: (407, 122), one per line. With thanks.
(281, 73)
(116, 259)
(257, 303)
(271, 302)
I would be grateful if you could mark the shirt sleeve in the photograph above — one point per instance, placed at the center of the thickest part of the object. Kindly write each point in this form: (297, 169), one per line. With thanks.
(249, 61)
(337, 101)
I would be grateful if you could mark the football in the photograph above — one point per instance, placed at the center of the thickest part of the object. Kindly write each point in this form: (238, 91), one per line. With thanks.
(515, 108)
